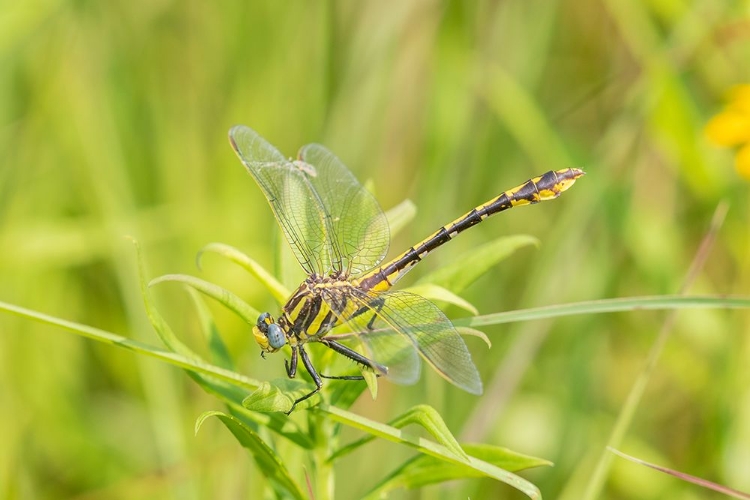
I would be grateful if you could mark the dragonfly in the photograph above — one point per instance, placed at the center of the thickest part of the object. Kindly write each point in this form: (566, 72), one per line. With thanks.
(340, 236)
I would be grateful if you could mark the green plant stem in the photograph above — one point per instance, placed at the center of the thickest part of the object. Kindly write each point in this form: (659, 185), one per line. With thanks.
(326, 443)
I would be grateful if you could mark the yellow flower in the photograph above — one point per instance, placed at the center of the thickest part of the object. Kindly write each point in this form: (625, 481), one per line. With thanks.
(731, 127)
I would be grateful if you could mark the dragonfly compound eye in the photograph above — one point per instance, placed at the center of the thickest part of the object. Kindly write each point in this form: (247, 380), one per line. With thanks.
(264, 320)
(269, 336)
(276, 337)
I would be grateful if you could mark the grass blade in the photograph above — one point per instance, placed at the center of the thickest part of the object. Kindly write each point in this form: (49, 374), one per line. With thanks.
(650, 303)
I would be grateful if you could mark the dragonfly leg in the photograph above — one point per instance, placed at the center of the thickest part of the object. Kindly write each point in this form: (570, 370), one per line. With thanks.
(343, 377)
(311, 370)
(374, 306)
(291, 367)
(354, 356)
(378, 306)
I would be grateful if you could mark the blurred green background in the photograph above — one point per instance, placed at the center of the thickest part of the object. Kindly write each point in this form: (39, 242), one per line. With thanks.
(113, 122)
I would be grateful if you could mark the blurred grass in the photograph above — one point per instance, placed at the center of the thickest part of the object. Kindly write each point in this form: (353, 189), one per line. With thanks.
(113, 121)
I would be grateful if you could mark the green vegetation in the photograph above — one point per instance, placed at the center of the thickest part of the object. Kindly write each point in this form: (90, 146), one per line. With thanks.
(113, 123)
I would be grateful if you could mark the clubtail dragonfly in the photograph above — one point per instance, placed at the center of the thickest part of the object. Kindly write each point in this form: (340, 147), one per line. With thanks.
(340, 236)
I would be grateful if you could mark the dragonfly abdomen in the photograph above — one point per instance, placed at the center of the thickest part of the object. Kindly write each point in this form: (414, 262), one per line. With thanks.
(544, 187)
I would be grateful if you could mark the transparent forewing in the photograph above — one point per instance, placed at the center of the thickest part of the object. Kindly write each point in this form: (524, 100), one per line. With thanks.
(422, 327)
(360, 233)
(296, 205)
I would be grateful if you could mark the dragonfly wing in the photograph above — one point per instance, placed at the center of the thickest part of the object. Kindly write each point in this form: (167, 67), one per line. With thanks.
(297, 206)
(423, 328)
(385, 347)
(360, 233)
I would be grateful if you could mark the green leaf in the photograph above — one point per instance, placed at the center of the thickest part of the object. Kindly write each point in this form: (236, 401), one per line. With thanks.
(372, 382)
(427, 417)
(471, 265)
(279, 291)
(424, 470)
(423, 415)
(268, 462)
(465, 330)
(221, 295)
(427, 447)
(279, 395)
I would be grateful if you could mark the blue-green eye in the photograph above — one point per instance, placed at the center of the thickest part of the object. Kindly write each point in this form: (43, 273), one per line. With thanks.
(275, 335)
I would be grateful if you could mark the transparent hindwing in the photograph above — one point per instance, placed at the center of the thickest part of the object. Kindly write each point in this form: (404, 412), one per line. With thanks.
(332, 223)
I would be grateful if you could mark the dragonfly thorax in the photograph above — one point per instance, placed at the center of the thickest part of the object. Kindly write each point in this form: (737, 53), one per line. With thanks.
(309, 313)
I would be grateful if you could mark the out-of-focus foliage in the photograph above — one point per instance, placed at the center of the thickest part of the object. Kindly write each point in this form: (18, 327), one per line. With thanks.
(113, 122)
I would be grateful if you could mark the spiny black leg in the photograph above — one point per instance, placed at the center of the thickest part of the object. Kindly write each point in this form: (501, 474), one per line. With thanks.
(354, 356)
(311, 370)
(291, 368)
(379, 305)
(376, 304)
(343, 377)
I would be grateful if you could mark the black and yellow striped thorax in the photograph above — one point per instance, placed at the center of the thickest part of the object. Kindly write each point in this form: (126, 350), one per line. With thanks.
(318, 305)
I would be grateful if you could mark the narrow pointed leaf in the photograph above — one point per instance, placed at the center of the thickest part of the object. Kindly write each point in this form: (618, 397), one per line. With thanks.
(268, 462)
(372, 383)
(423, 415)
(465, 330)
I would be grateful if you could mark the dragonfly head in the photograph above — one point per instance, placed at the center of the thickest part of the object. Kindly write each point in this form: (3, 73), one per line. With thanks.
(269, 336)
